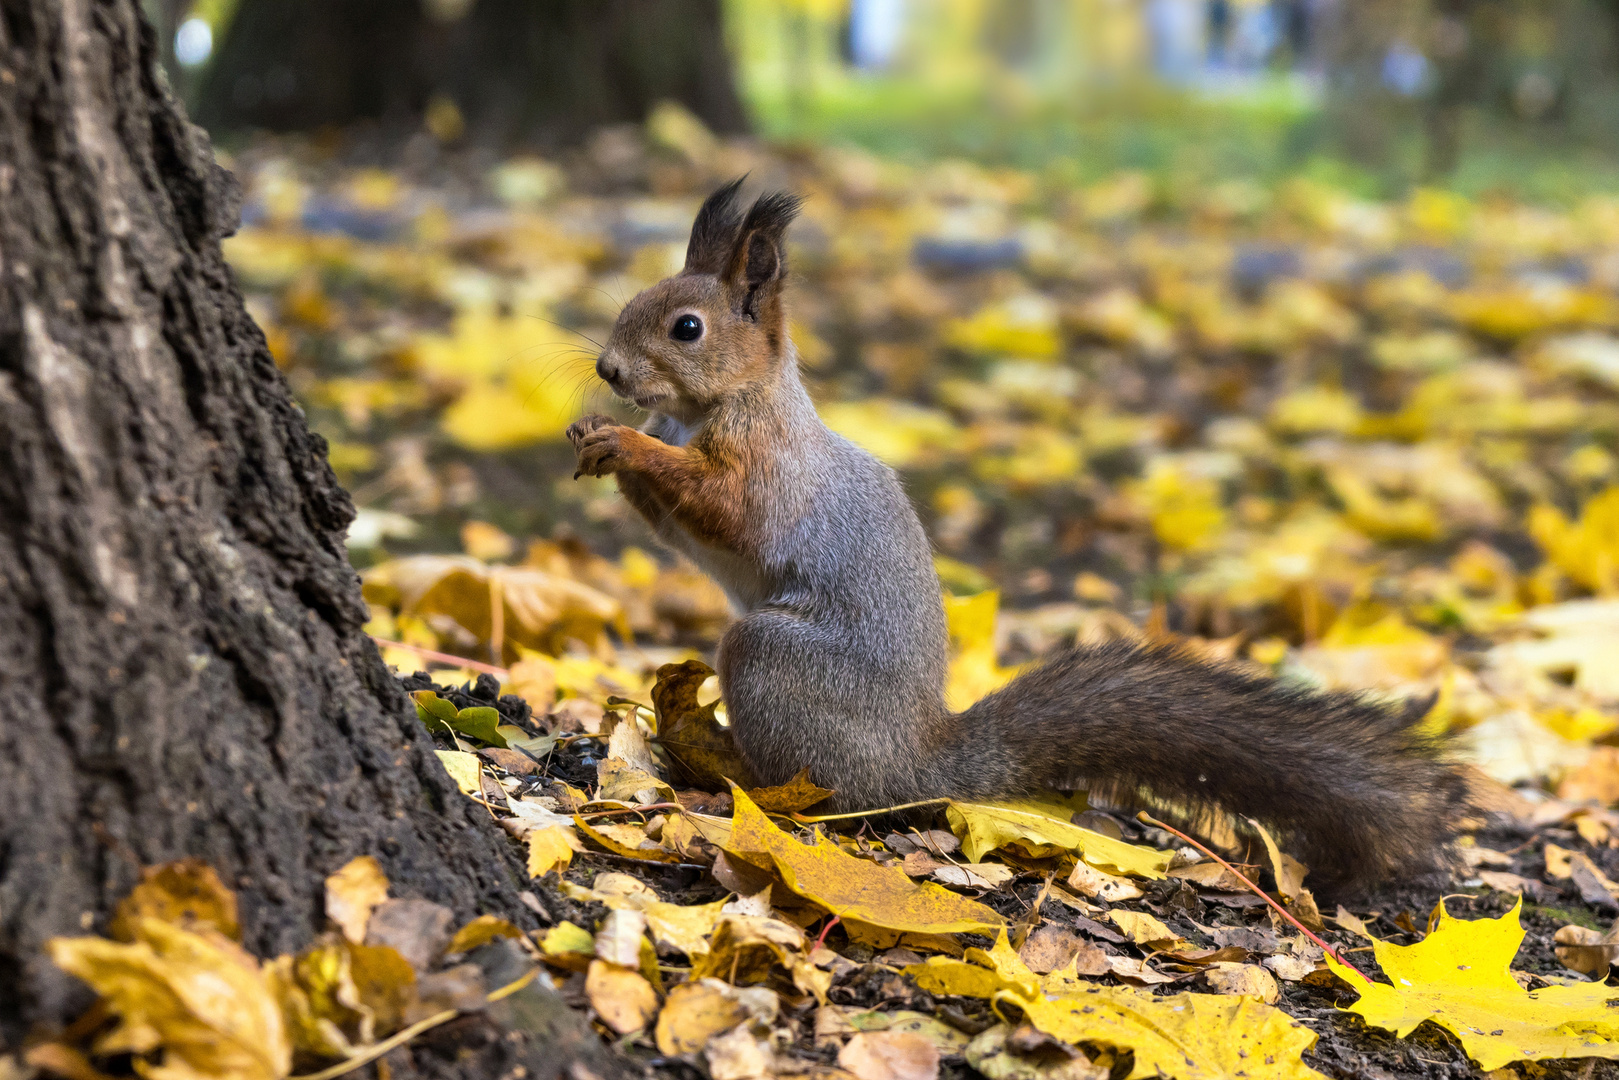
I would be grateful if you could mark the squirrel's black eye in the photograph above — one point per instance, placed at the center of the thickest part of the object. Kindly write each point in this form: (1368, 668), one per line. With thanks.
(687, 328)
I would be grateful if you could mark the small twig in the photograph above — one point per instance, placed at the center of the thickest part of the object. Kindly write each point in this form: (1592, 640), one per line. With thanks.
(634, 809)
(643, 862)
(444, 658)
(371, 1053)
(809, 820)
(1328, 949)
(827, 929)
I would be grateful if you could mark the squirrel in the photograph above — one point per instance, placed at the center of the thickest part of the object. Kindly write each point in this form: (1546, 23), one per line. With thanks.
(837, 662)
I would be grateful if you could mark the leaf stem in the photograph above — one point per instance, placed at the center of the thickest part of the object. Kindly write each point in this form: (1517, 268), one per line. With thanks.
(1328, 949)
(371, 1053)
(810, 820)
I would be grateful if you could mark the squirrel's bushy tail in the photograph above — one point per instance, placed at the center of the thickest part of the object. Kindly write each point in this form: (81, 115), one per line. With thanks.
(1350, 787)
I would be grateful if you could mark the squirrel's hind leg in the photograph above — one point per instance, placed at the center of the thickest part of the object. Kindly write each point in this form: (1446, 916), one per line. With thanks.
(798, 699)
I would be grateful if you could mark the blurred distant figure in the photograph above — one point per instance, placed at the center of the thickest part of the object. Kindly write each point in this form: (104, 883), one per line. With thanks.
(876, 28)
(1219, 33)
(1176, 31)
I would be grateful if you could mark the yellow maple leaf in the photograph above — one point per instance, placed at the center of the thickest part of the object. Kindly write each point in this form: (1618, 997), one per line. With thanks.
(1460, 977)
(1188, 1036)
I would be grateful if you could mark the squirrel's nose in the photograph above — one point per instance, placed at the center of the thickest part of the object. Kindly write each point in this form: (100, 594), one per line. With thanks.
(606, 370)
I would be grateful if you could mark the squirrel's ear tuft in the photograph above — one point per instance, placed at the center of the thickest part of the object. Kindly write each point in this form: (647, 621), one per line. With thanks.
(714, 231)
(758, 263)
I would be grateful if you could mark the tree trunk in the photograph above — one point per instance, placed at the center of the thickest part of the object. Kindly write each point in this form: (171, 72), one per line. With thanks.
(182, 667)
(519, 71)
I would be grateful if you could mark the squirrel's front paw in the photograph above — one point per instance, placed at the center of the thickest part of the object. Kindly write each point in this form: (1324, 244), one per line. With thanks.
(600, 450)
(585, 425)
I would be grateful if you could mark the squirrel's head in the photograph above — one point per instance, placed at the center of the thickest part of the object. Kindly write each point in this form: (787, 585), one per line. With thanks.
(716, 326)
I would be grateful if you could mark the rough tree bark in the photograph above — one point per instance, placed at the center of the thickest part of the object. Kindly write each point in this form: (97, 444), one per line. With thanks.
(520, 71)
(182, 667)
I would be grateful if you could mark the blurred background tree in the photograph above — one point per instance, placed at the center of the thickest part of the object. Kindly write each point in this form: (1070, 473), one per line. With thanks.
(511, 72)
(1381, 92)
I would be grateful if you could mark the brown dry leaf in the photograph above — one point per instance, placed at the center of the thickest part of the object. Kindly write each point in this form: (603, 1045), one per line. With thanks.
(1211, 875)
(1291, 968)
(1049, 948)
(1587, 951)
(744, 949)
(623, 999)
(890, 1055)
(743, 1053)
(1511, 884)
(1290, 881)
(701, 753)
(851, 887)
(795, 795)
(1557, 861)
(971, 875)
(1143, 929)
(1596, 780)
(1351, 922)
(419, 930)
(1137, 971)
(1089, 881)
(352, 892)
(187, 894)
(1596, 888)
(197, 997)
(997, 1055)
(1246, 980)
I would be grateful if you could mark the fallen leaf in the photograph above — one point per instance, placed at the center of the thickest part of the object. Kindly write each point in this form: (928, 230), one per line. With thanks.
(1049, 948)
(419, 930)
(481, 931)
(627, 840)
(1558, 861)
(197, 997)
(618, 941)
(1246, 980)
(743, 1053)
(1211, 875)
(187, 894)
(1290, 881)
(1189, 1036)
(701, 753)
(568, 946)
(972, 875)
(851, 887)
(1596, 888)
(684, 928)
(352, 892)
(795, 795)
(1089, 881)
(1459, 977)
(992, 1054)
(463, 769)
(697, 1011)
(890, 1055)
(1590, 952)
(623, 999)
(551, 849)
(983, 827)
(1143, 929)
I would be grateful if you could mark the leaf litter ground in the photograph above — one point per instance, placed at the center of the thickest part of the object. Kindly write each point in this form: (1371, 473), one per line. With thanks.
(1356, 444)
